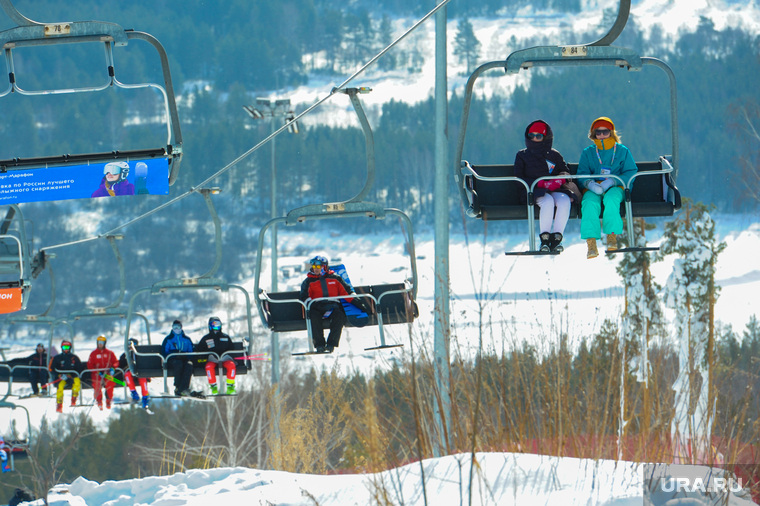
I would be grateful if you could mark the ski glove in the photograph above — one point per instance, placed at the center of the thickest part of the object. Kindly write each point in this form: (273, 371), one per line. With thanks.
(64, 377)
(595, 187)
(607, 183)
(111, 371)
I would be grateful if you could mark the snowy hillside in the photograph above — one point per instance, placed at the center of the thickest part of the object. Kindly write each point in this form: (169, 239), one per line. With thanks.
(493, 479)
(670, 17)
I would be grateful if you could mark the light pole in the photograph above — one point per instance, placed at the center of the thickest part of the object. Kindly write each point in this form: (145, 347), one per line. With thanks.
(266, 108)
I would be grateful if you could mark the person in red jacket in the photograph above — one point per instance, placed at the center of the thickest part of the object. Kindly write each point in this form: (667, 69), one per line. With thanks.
(322, 282)
(102, 363)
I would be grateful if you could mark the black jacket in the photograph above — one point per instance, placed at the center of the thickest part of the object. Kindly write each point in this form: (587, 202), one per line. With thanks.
(216, 342)
(38, 359)
(65, 361)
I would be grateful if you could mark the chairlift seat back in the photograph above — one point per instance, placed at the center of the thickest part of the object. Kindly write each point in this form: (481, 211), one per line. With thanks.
(652, 195)
(148, 363)
(290, 317)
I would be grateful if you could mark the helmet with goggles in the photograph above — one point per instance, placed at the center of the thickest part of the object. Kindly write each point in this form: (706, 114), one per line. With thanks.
(214, 324)
(318, 263)
(120, 169)
(65, 345)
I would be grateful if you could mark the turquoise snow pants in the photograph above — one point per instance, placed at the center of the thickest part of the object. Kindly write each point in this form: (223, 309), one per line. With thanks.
(591, 208)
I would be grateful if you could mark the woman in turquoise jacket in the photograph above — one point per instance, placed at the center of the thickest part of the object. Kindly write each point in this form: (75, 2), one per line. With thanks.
(604, 158)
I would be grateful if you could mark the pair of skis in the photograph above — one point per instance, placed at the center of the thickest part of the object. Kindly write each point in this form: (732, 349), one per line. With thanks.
(608, 252)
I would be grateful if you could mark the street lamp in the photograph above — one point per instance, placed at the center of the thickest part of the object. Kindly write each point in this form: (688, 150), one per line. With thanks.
(266, 108)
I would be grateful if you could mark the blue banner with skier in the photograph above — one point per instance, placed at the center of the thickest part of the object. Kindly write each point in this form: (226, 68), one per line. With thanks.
(108, 179)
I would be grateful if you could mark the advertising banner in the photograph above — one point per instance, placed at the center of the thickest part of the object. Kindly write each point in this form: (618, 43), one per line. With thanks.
(11, 300)
(107, 179)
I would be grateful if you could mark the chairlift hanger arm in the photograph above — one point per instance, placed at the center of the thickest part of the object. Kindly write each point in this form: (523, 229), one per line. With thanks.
(617, 27)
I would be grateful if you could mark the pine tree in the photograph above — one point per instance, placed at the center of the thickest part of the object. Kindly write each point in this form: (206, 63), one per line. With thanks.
(643, 317)
(384, 36)
(691, 293)
(466, 45)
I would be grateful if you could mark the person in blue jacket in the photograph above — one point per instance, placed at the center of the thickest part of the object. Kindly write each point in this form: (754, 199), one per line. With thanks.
(180, 366)
(607, 156)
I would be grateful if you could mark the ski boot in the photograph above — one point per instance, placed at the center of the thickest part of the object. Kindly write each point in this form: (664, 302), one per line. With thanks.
(556, 242)
(612, 242)
(145, 402)
(593, 252)
(545, 242)
(135, 397)
(230, 388)
(214, 389)
(108, 403)
(59, 407)
(73, 401)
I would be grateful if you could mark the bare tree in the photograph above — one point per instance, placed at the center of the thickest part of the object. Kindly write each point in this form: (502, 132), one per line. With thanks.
(47, 453)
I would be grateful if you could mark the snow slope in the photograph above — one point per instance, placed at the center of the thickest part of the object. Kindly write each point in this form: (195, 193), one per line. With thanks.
(497, 479)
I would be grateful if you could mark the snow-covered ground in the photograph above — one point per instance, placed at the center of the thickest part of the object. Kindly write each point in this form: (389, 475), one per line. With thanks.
(496, 479)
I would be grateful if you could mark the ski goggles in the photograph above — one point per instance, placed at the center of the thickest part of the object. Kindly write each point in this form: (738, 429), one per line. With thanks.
(114, 170)
(176, 327)
(536, 136)
(66, 347)
(604, 132)
(316, 266)
(216, 326)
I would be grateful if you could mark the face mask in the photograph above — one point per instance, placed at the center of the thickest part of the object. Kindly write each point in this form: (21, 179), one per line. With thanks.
(177, 331)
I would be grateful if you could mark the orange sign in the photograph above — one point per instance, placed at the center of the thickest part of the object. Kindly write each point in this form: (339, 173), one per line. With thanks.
(11, 299)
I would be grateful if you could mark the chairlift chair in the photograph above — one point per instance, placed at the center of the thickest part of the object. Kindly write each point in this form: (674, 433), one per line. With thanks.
(29, 33)
(492, 192)
(148, 360)
(15, 262)
(19, 373)
(392, 303)
(17, 445)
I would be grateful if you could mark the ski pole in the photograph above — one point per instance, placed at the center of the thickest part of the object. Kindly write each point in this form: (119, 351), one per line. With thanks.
(117, 381)
(51, 383)
(257, 356)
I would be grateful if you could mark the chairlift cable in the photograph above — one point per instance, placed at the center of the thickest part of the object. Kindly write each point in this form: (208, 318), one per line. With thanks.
(271, 136)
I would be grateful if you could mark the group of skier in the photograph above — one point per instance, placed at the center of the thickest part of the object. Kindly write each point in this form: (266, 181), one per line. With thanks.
(64, 370)
(604, 158)
(216, 343)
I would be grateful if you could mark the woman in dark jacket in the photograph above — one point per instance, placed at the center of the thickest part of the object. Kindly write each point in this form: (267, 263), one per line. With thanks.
(538, 159)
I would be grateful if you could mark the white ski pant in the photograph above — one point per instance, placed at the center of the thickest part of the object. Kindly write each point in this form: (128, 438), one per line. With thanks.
(547, 202)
